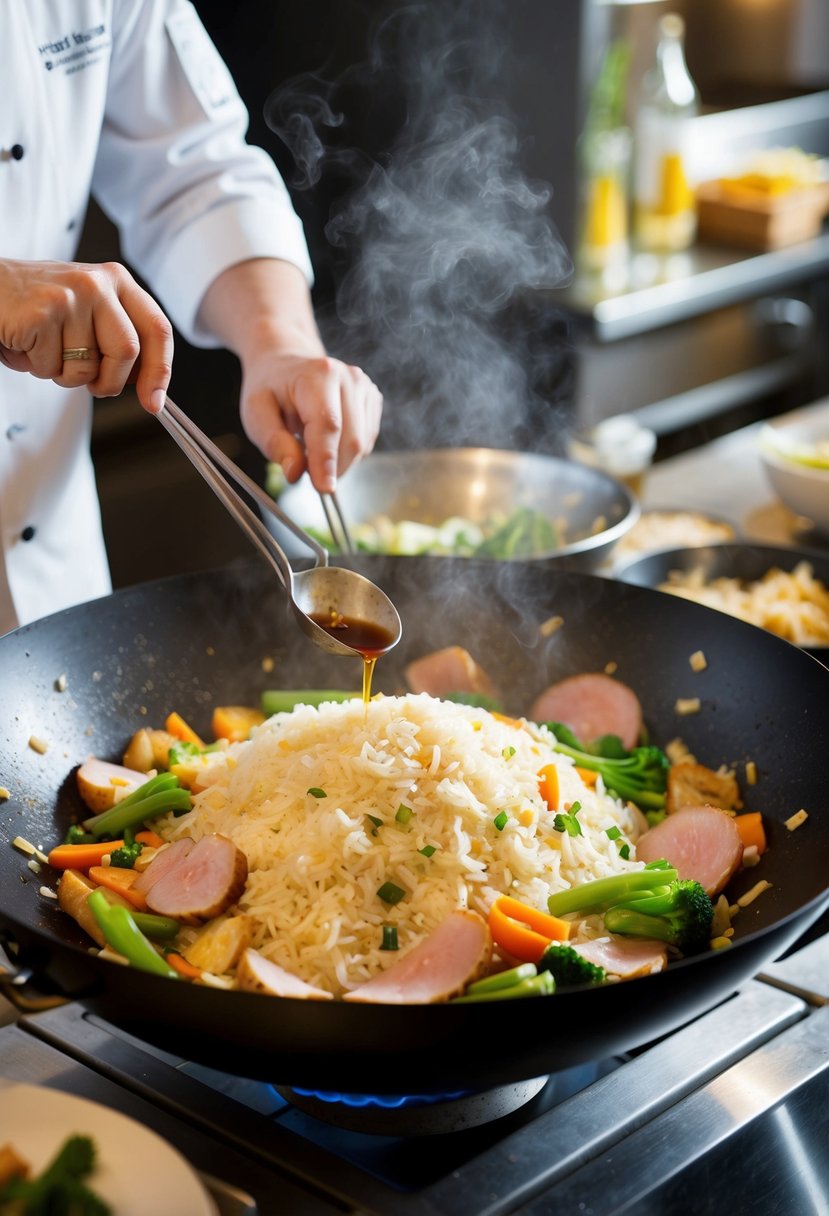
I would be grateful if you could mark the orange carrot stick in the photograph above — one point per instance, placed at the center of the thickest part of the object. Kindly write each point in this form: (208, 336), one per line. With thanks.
(524, 932)
(752, 832)
(180, 964)
(115, 878)
(81, 856)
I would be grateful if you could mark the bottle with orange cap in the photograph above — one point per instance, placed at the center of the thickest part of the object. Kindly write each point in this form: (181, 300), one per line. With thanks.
(664, 205)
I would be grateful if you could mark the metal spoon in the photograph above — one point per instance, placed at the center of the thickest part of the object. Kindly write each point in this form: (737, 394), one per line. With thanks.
(330, 593)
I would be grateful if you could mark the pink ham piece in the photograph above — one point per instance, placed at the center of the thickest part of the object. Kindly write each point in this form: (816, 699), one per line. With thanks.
(592, 705)
(204, 882)
(701, 842)
(625, 957)
(452, 956)
(255, 973)
(166, 859)
(449, 670)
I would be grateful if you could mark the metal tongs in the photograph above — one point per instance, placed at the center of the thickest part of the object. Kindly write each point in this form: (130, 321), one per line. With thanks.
(324, 592)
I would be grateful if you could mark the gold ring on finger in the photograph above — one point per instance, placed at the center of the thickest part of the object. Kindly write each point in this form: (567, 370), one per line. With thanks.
(80, 352)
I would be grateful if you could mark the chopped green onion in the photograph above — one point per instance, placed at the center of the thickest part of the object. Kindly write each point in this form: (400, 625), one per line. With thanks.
(503, 979)
(316, 792)
(501, 821)
(624, 852)
(427, 850)
(612, 833)
(404, 813)
(390, 893)
(389, 938)
(508, 753)
(537, 985)
(566, 821)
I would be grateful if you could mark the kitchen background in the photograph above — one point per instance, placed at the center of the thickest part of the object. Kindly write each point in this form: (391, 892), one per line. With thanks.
(433, 153)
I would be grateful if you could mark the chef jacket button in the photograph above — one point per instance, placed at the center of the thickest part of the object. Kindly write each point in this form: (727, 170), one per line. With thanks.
(16, 428)
(70, 225)
(16, 151)
(28, 533)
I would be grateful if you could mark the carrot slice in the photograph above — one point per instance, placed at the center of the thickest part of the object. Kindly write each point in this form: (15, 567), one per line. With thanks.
(524, 932)
(235, 722)
(180, 964)
(176, 725)
(516, 722)
(588, 775)
(114, 878)
(81, 856)
(151, 839)
(752, 832)
(548, 786)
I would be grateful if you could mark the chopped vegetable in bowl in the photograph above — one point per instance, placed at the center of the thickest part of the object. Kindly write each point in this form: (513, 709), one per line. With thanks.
(524, 533)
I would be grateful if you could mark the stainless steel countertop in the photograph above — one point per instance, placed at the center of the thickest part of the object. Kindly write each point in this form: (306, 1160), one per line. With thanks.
(664, 290)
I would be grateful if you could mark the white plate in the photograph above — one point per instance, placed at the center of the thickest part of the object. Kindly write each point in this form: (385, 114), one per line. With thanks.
(137, 1172)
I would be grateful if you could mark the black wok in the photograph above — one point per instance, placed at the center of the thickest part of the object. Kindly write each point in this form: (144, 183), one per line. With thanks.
(191, 642)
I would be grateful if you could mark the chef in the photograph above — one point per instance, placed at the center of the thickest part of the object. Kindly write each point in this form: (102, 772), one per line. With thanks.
(129, 100)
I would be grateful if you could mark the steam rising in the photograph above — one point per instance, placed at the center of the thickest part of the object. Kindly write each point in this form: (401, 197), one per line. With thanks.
(443, 238)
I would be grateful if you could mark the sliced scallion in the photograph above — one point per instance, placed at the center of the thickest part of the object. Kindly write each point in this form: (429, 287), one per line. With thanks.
(501, 821)
(612, 833)
(404, 813)
(389, 938)
(316, 792)
(428, 850)
(390, 893)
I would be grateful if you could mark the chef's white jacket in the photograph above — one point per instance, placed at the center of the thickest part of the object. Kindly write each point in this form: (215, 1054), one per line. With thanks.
(130, 100)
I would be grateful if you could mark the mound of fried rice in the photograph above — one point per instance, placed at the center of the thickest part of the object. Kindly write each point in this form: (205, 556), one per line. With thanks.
(314, 800)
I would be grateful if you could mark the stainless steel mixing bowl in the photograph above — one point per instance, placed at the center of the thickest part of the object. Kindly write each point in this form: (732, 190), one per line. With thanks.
(430, 486)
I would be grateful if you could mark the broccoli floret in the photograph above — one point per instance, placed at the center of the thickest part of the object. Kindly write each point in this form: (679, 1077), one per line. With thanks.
(76, 835)
(61, 1186)
(604, 893)
(126, 856)
(568, 968)
(681, 915)
(639, 775)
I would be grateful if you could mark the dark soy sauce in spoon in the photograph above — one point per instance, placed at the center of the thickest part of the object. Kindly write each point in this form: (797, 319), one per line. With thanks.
(365, 637)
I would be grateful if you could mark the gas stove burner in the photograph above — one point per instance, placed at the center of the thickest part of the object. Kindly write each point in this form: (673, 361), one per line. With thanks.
(412, 1114)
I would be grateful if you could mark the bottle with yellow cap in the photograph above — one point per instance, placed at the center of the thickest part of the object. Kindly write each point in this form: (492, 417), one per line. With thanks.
(664, 204)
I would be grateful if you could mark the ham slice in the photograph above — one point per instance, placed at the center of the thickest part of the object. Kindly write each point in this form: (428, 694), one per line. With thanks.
(255, 973)
(625, 957)
(166, 858)
(452, 956)
(702, 843)
(205, 881)
(449, 670)
(592, 705)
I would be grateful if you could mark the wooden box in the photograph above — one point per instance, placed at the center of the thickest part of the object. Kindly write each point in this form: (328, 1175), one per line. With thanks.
(751, 219)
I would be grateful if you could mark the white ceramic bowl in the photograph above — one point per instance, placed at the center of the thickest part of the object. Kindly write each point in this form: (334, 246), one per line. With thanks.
(797, 471)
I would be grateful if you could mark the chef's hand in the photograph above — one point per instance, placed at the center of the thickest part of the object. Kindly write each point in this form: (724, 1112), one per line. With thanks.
(302, 408)
(50, 308)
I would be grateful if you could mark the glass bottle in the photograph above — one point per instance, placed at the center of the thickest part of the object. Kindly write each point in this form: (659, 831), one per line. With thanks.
(664, 204)
(604, 153)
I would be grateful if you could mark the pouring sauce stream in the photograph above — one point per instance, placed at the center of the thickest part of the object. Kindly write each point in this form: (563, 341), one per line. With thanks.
(365, 637)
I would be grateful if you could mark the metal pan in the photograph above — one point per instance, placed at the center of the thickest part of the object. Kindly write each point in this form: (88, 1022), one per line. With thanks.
(191, 642)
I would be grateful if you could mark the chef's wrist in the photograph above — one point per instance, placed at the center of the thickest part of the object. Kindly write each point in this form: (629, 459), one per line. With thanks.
(261, 306)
